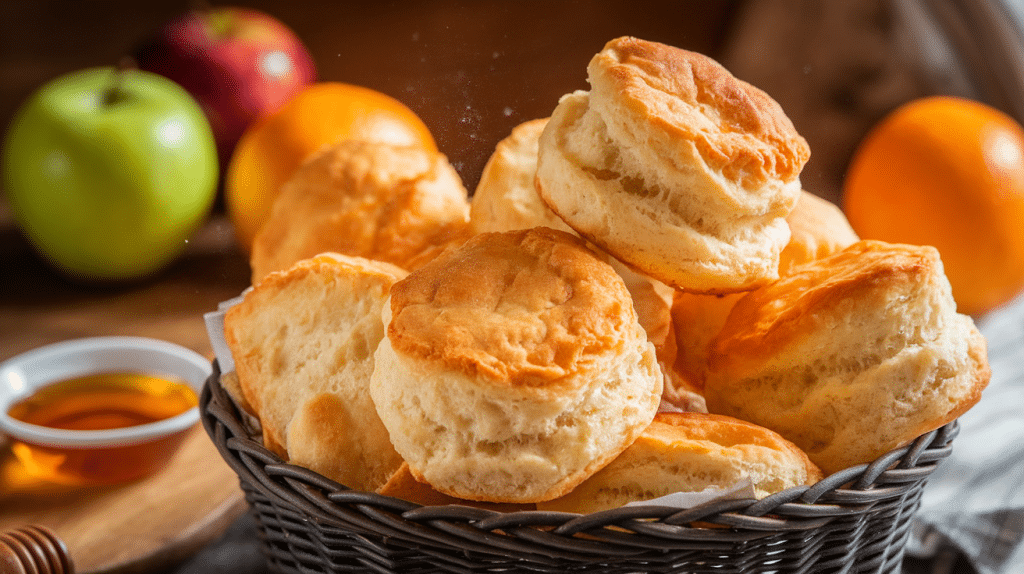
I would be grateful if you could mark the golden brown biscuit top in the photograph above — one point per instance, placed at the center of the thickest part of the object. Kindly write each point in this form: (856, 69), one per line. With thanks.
(767, 318)
(327, 260)
(354, 264)
(737, 128)
(692, 429)
(523, 307)
(722, 430)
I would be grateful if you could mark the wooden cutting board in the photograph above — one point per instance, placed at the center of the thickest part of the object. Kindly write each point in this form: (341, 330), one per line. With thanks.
(138, 527)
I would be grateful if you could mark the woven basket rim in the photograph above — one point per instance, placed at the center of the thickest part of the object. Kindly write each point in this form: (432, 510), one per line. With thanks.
(893, 480)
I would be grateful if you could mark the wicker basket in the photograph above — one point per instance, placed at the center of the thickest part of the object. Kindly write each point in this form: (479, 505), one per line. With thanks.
(856, 520)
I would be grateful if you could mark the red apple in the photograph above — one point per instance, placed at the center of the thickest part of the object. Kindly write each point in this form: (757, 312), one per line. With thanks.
(238, 63)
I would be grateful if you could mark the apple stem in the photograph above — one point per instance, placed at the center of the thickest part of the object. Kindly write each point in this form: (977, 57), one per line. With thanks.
(113, 93)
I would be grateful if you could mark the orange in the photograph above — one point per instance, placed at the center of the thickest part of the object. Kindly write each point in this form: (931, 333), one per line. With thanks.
(275, 145)
(947, 172)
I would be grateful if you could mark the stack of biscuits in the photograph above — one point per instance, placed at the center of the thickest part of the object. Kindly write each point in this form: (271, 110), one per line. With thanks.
(639, 298)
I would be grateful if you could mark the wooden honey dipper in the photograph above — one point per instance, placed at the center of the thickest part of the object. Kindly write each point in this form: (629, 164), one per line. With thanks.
(34, 550)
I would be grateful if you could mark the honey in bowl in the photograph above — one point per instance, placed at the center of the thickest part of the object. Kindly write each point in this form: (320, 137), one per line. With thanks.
(95, 402)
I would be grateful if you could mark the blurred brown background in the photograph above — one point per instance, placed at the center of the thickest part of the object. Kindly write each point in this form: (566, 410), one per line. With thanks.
(471, 70)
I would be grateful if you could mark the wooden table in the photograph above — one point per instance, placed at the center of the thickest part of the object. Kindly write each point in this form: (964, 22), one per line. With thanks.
(154, 523)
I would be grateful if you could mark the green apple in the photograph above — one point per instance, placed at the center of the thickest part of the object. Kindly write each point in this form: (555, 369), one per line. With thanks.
(109, 171)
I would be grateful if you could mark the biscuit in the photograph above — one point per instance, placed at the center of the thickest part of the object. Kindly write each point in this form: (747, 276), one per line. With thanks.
(675, 167)
(850, 356)
(513, 367)
(302, 341)
(691, 452)
(373, 200)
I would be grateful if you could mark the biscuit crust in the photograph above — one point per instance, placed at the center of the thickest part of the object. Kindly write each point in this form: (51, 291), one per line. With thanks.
(770, 318)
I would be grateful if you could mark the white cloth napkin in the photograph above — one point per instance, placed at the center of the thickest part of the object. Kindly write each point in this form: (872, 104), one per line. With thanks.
(975, 499)
(215, 331)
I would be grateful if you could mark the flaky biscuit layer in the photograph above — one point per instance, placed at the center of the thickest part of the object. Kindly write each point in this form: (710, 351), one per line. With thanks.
(303, 341)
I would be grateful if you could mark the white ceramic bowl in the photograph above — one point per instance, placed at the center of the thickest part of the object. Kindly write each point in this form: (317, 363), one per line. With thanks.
(23, 374)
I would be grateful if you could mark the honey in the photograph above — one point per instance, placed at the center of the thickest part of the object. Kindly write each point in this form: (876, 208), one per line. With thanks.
(100, 402)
